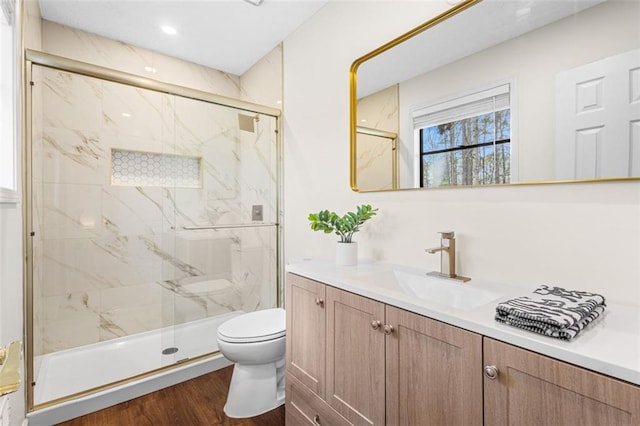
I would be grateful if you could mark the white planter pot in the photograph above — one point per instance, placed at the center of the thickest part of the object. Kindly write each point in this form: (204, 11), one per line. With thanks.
(346, 254)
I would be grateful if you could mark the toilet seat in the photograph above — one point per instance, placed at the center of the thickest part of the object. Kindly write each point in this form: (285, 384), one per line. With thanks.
(258, 326)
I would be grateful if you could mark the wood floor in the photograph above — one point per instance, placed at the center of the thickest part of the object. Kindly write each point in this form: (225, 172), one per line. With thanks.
(192, 403)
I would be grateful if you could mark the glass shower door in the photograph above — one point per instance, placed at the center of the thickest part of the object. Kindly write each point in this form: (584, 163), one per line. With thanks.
(225, 229)
(97, 221)
(153, 219)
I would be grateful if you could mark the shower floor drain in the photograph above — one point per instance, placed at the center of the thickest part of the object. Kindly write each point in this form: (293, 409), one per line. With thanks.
(169, 351)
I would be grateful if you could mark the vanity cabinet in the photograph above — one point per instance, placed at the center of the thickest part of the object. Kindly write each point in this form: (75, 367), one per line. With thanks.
(355, 357)
(352, 360)
(382, 365)
(306, 332)
(432, 372)
(532, 389)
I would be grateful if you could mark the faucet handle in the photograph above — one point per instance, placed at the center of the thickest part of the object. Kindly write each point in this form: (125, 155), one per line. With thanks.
(446, 235)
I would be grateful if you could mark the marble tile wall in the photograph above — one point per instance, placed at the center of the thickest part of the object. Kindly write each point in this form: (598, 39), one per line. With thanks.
(115, 260)
(374, 154)
(374, 162)
(380, 110)
(87, 47)
(261, 84)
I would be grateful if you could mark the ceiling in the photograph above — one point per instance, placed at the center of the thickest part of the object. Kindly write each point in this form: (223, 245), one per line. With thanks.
(484, 25)
(227, 35)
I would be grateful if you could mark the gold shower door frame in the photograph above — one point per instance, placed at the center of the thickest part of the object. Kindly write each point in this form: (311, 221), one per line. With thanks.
(33, 57)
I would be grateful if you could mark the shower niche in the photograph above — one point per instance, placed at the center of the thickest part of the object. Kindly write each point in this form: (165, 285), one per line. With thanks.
(134, 168)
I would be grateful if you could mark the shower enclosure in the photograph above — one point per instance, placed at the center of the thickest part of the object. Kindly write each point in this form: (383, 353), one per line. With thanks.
(376, 159)
(152, 216)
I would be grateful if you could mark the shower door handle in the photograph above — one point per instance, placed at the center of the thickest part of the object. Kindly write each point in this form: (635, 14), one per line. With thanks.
(229, 226)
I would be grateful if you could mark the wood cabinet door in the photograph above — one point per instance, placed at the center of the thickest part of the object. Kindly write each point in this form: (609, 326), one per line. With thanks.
(532, 389)
(434, 372)
(306, 408)
(355, 357)
(306, 331)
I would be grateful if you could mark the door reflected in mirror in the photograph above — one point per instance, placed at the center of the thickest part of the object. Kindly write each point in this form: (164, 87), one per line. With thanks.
(502, 92)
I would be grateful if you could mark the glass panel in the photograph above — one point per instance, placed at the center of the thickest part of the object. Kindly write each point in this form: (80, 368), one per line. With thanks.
(120, 286)
(471, 151)
(169, 267)
(473, 166)
(133, 168)
(219, 271)
(375, 162)
(97, 248)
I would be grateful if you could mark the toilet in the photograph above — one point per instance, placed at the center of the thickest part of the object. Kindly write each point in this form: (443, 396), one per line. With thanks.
(255, 341)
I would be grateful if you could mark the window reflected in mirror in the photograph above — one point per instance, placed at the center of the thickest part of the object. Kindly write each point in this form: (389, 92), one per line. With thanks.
(465, 141)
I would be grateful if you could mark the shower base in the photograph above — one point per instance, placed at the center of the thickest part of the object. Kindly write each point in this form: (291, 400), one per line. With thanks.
(71, 371)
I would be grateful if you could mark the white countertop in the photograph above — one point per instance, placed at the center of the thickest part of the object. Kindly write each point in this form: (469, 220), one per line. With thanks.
(610, 345)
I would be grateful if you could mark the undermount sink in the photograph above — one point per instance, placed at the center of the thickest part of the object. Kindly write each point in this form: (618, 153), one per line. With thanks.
(443, 291)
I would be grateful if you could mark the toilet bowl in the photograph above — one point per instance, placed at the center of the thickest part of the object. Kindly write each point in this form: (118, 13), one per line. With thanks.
(256, 343)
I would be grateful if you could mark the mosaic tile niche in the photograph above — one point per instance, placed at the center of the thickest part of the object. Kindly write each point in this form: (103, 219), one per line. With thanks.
(132, 168)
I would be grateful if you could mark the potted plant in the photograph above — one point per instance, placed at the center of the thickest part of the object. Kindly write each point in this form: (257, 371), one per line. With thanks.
(343, 226)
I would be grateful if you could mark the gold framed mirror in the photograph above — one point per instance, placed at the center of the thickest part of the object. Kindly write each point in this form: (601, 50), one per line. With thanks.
(497, 92)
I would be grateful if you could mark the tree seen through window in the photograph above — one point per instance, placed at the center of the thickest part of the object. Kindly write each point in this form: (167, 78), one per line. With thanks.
(470, 151)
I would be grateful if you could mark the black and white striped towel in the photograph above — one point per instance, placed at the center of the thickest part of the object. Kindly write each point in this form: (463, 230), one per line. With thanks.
(552, 311)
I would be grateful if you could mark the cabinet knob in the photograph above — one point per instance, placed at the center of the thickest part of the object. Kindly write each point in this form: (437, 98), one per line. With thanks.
(491, 371)
(388, 329)
(375, 324)
(319, 302)
(316, 420)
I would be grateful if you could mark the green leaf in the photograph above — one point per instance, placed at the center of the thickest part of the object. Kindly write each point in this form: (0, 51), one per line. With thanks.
(343, 226)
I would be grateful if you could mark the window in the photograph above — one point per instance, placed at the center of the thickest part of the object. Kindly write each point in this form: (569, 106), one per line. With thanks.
(465, 141)
(8, 146)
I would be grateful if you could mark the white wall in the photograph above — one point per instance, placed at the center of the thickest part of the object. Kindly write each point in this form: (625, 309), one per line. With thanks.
(580, 236)
(11, 300)
(11, 291)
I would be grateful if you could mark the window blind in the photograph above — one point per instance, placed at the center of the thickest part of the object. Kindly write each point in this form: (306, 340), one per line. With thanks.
(486, 101)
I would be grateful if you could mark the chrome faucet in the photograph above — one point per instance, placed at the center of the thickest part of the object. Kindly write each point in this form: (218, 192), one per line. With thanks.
(447, 251)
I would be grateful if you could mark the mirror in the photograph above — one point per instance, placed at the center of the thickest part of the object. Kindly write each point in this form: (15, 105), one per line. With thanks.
(499, 92)
(377, 158)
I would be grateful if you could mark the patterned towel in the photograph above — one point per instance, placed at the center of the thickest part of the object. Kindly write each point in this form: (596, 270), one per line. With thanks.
(552, 311)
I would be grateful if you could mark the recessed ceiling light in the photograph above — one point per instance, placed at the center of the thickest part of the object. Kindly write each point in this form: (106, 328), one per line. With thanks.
(150, 69)
(126, 115)
(167, 29)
